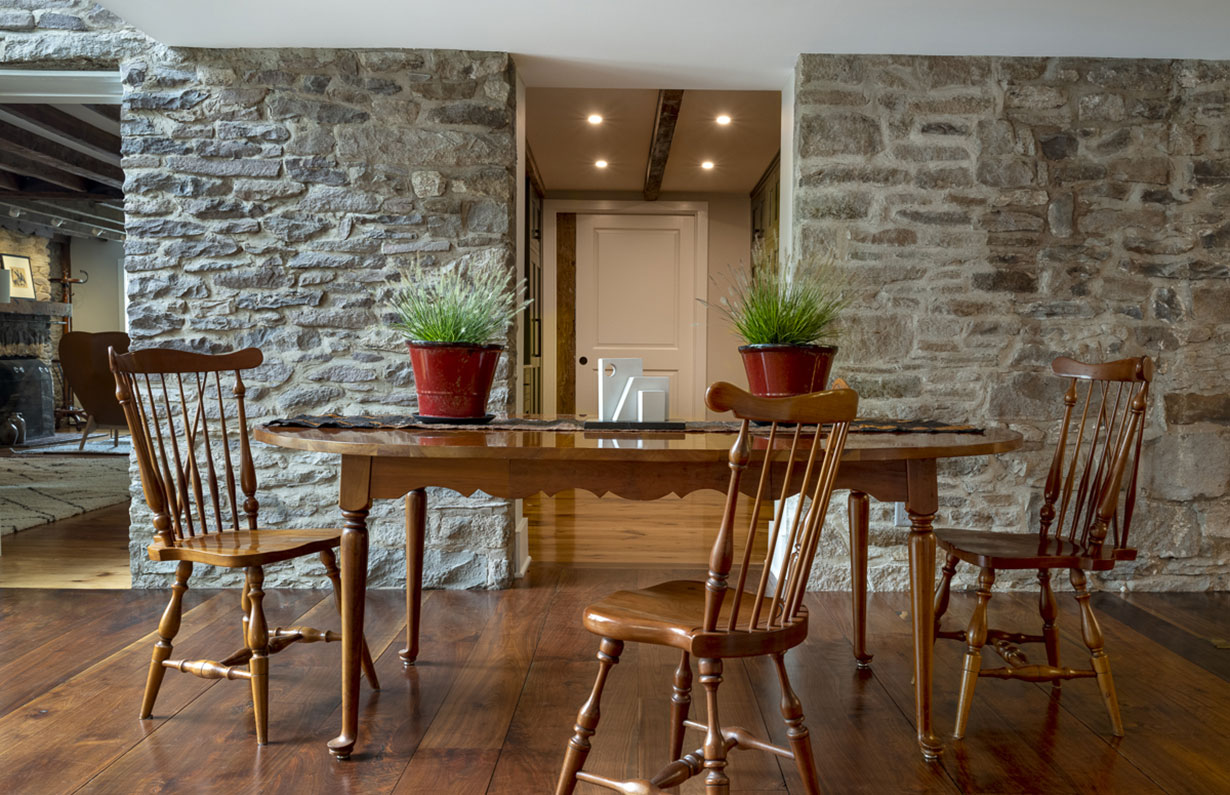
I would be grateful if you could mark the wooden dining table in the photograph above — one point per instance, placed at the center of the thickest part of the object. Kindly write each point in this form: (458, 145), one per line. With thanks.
(384, 463)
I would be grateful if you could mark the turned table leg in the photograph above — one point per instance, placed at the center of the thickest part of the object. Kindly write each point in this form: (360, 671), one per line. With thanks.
(416, 529)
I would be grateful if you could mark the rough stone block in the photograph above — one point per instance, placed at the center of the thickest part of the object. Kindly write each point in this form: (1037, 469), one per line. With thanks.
(839, 134)
(1188, 464)
(226, 168)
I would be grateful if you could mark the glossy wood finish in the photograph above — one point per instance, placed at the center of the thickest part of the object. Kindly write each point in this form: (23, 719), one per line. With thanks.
(491, 702)
(717, 620)
(388, 464)
(83, 355)
(1084, 525)
(187, 430)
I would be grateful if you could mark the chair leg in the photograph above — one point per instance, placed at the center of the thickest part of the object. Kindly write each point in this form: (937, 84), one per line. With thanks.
(168, 628)
(1049, 610)
(587, 719)
(335, 576)
(796, 732)
(716, 780)
(975, 638)
(85, 434)
(1091, 633)
(943, 590)
(258, 643)
(681, 702)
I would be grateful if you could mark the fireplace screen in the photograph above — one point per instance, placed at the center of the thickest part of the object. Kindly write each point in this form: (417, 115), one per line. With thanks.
(26, 387)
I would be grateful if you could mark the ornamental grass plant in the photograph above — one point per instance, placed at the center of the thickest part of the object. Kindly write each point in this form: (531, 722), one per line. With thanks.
(793, 303)
(466, 308)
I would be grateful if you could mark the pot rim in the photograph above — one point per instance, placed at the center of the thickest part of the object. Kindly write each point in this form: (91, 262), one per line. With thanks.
(493, 346)
(775, 346)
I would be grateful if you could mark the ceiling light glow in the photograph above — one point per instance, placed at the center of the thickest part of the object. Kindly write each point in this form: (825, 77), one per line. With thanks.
(708, 164)
(594, 118)
(723, 119)
(600, 163)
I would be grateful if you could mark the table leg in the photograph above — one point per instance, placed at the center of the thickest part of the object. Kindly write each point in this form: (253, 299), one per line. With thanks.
(416, 529)
(355, 503)
(921, 505)
(859, 517)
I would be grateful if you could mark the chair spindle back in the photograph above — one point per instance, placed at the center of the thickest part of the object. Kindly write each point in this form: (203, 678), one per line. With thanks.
(1091, 484)
(806, 460)
(176, 405)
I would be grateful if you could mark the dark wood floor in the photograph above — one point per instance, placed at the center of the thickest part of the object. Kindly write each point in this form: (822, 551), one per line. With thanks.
(491, 702)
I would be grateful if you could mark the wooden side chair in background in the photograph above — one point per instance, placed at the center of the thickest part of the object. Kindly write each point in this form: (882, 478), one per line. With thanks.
(1086, 514)
(717, 619)
(83, 356)
(190, 435)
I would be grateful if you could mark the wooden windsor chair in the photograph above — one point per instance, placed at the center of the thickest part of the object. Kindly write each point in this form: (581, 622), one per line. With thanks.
(714, 620)
(187, 446)
(1088, 502)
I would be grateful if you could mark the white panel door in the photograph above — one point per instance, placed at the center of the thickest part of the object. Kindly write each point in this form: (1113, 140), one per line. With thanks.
(636, 297)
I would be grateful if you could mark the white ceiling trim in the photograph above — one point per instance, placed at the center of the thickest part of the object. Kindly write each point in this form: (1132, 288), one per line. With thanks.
(44, 86)
(732, 44)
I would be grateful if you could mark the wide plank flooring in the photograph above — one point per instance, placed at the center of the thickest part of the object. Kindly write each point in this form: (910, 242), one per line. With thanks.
(490, 705)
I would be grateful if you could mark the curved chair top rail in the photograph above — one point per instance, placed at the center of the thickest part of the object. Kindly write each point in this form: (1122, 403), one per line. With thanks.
(833, 405)
(1139, 368)
(165, 360)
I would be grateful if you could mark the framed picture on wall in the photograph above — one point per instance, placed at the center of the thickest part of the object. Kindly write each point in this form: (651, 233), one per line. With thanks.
(17, 269)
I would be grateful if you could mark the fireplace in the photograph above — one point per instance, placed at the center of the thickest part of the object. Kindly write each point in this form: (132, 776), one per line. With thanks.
(26, 387)
(26, 362)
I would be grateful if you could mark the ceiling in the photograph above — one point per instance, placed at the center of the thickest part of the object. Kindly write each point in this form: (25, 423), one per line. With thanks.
(565, 145)
(697, 43)
(60, 169)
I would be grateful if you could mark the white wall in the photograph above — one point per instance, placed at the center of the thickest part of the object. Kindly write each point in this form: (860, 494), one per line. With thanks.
(98, 305)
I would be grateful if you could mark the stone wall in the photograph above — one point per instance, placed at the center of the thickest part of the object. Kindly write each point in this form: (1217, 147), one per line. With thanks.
(66, 34)
(25, 335)
(1002, 212)
(273, 199)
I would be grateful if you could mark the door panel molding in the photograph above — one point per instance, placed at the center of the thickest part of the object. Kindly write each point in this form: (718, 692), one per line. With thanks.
(552, 311)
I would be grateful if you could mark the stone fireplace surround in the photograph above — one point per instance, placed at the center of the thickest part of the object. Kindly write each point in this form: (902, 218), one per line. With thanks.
(1001, 210)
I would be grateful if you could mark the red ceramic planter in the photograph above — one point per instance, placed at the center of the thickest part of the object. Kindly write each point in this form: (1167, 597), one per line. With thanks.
(453, 380)
(782, 370)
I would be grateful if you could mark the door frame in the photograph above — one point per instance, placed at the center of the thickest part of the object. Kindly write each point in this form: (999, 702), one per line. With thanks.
(550, 311)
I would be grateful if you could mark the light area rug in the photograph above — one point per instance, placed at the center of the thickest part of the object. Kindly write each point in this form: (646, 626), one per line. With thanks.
(35, 490)
(66, 444)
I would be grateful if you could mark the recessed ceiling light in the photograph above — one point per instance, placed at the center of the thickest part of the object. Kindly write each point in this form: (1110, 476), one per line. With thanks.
(723, 119)
(600, 163)
(708, 164)
(594, 118)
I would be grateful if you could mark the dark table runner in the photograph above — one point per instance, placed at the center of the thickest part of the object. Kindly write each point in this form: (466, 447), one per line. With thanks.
(571, 424)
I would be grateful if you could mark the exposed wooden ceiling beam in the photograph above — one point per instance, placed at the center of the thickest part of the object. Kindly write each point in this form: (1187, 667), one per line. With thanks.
(111, 112)
(9, 182)
(669, 100)
(63, 128)
(28, 168)
(41, 150)
(37, 189)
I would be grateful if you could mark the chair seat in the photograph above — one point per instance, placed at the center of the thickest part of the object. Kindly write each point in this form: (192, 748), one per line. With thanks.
(998, 550)
(248, 547)
(671, 614)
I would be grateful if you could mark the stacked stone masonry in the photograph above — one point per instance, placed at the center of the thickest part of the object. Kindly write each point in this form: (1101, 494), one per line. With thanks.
(1002, 212)
(274, 198)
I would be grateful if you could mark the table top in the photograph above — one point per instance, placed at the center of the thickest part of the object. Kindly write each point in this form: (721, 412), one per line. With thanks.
(613, 445)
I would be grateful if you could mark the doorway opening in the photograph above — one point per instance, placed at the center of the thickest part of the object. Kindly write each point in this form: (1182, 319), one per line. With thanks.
(641, 205)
